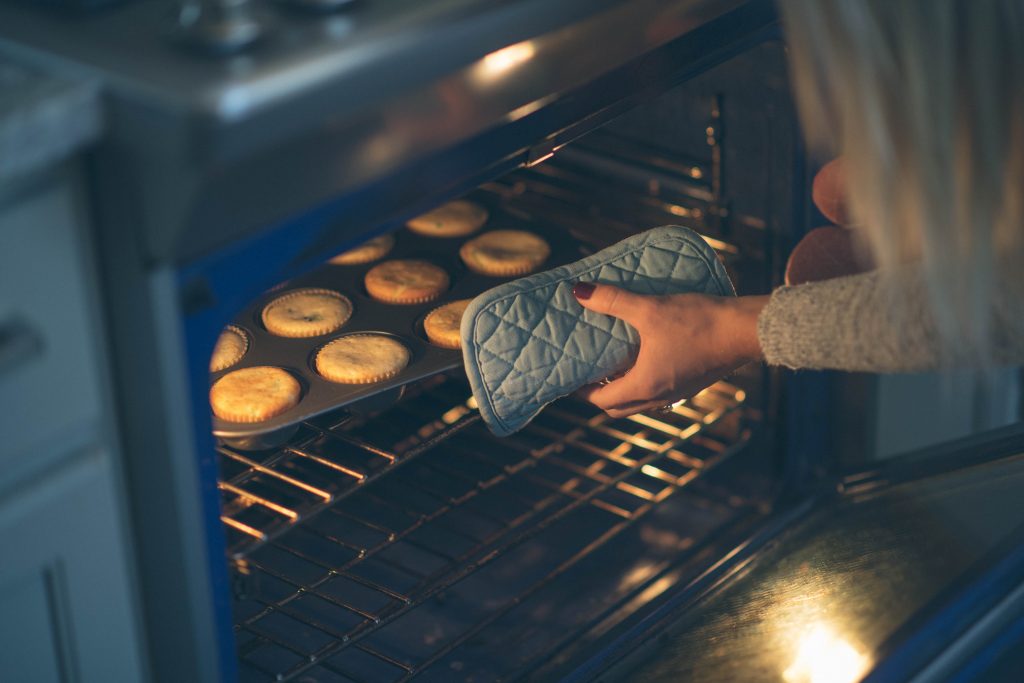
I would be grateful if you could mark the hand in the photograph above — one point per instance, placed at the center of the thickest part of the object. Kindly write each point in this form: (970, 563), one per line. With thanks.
(829, 252)
(687, 342)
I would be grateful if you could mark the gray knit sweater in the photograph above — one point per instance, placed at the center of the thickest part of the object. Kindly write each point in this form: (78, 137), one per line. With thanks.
(851, 323)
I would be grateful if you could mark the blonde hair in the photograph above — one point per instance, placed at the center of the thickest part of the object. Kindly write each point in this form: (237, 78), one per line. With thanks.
(924, 99)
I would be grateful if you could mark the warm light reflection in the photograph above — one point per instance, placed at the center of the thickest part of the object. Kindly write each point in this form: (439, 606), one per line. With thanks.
(454, 414)
(637, 576)
(495, 65)
(824, 657)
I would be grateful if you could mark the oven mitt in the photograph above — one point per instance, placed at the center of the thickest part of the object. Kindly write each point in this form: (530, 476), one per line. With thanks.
(527, 342)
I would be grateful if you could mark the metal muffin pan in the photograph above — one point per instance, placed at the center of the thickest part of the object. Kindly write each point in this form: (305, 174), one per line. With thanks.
(404, 322)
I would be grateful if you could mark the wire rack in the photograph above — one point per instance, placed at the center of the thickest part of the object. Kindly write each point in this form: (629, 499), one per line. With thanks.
(389, 582)
(264, 495)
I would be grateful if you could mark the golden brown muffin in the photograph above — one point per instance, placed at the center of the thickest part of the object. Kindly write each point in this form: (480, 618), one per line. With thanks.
(231, 345)
(442, 324)
(505, 253)
(362, 359)
(406, 281)
(306, 313)
(254, 394)
(454, 219)
(370, 250)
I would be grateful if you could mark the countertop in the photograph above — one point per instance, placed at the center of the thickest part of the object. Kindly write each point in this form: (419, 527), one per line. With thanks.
(43, 118)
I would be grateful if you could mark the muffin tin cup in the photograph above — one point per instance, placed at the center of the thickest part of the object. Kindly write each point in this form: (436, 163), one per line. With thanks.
(403, 322)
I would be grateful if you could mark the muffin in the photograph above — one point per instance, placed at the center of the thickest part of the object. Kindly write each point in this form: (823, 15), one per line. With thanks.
(442, 324)
(454, 219)
(370, 250)
(505, 253)
(231, 345)
(406, 282)
(306, 313)
(254, 394)
(362, 359)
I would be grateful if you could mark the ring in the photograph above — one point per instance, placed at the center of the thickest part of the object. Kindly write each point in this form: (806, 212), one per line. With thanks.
(606, 380)
(667, 409)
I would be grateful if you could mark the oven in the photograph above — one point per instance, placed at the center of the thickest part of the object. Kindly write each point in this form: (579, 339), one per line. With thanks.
(401, 540)
(395, 538)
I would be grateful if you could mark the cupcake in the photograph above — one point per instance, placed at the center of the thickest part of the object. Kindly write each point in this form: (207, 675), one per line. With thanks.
(406, 282)
(362, 359)
(254, 394)
(505, 253)
(370, 250)
(306, 313)
(442, 324)
(231, 345)
(454, 219)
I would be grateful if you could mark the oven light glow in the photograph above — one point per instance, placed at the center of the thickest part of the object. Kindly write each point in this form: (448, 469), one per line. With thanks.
(824, 657)
(493, 66)
(454, 414)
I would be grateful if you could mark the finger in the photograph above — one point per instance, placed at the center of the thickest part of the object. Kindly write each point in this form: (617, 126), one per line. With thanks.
(825, 253)
(829, 191)
(624, 391)
(634, 408)
(611, 300)
(586, 392)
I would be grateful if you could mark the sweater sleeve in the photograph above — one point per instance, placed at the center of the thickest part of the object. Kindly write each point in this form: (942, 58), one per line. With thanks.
(872, 323)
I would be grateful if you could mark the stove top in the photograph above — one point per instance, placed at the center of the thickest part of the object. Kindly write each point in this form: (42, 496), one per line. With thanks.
(233, 115)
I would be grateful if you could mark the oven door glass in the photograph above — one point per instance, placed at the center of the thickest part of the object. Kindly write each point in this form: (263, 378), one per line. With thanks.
(874, 582)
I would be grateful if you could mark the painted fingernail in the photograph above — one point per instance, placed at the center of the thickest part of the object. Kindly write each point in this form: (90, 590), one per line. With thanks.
(582, 290)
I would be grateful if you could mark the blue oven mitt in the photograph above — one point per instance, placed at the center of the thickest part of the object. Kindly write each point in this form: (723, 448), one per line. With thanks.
(527, 342)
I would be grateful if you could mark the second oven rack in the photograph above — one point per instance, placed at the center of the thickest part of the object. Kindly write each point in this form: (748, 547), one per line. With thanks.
(265, 494)
(486, 498)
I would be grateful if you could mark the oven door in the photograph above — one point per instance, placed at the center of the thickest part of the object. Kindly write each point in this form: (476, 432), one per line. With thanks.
(911, 571)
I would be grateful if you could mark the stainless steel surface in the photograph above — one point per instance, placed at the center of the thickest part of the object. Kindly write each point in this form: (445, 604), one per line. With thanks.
(43, 119)
(219, 26)
(220, 148)
(471, 518)
(394, 45)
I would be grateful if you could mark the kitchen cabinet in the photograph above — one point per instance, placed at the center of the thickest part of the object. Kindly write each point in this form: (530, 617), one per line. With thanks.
(68, 602)
(66, 612)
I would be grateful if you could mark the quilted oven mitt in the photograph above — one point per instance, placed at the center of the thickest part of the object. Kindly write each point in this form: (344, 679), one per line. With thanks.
(528, 342)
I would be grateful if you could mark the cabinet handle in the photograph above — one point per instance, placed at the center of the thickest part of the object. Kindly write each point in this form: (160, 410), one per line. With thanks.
(19, 343)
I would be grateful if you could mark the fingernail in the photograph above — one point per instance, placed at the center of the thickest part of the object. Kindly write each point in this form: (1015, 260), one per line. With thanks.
(582, 290)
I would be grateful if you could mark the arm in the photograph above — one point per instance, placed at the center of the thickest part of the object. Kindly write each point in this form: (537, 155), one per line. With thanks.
(876, 323)
(689, 341)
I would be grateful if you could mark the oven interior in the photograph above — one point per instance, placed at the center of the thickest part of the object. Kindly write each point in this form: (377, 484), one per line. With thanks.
(409, 542)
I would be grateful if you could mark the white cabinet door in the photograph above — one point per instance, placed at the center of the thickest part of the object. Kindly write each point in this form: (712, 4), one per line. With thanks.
(50, 386)
(65, 598)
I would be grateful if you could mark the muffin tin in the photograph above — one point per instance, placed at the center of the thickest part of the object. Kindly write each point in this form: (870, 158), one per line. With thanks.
(401, 321)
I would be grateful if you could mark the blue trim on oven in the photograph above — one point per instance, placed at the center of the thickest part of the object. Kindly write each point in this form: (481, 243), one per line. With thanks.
(917, 643)
(212, 290)
(1008, 643)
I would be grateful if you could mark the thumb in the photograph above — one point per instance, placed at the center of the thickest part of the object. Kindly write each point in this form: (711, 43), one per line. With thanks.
(610, 300)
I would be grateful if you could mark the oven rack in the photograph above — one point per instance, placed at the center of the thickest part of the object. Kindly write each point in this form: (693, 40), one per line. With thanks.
(263, 494)
(326, 595)
(617, 202)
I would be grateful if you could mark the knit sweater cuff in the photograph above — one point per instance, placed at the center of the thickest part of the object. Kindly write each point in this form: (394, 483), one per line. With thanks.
(850, 323)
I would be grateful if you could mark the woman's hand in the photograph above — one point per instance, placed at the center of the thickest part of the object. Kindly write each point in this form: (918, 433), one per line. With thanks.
(687, 342)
